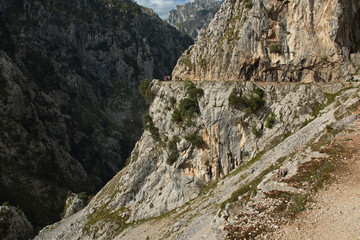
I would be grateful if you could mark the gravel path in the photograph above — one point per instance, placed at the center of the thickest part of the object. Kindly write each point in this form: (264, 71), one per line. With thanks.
(335, 213)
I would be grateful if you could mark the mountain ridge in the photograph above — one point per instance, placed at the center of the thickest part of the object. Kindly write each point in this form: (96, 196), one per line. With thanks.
(192, 17)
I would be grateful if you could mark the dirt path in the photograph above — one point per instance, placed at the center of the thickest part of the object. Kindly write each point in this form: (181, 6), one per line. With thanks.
(335, 213)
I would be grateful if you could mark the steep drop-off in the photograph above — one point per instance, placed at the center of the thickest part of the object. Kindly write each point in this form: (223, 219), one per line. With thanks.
(310, 41)
(211, 150)
(70, 111)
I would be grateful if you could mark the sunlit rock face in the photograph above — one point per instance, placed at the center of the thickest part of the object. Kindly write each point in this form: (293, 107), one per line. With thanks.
(309, 41)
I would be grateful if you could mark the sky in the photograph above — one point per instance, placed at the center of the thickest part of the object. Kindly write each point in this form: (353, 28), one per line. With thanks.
(162, 7)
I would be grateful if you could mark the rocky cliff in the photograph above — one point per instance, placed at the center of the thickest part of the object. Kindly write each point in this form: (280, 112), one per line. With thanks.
(191, 17)
(69, 104)
(212, 150)
(14, 224)
(277, 41)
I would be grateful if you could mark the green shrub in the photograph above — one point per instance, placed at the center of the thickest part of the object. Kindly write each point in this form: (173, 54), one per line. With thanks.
(249, 104)
(270, 120)
(145, 91)
(192, 91)
(173, 151)
(172, 101)
(275, 47)
(188, 107)
(259, 92)
(195, 140)
(185, 111)
(257, 132)
(148, 124)
(176, 116)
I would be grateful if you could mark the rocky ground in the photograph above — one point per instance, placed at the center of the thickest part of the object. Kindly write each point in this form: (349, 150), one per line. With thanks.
(334, 212)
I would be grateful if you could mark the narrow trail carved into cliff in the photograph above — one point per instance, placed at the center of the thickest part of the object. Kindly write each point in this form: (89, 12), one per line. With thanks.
(335, 212)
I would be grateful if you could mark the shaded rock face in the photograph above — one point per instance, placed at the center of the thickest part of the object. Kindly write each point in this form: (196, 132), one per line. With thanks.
(191, 17)
(69, 105)
(14, 224)
(277, 41)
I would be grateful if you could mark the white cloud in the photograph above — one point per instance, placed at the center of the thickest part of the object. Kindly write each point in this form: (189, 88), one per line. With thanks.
(161, 7)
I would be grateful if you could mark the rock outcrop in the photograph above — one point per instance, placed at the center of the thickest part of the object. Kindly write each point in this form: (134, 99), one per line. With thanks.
(191, 17)
(14, 224)
(206, 145)
(69, 104)
(309, 41)
(74, 203)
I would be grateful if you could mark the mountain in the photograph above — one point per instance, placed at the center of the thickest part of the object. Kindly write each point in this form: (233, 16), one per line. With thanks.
(234, 159)
(277, 41)
(191, 17)
(69, 102)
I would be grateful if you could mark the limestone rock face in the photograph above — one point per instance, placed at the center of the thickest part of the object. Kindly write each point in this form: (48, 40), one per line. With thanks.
(191, 17)
(73, 204)
(70, 111)
(14, 224)
(277, 41)
(221, 128)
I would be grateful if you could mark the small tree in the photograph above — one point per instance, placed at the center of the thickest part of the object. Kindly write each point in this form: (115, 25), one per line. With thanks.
(270, 120)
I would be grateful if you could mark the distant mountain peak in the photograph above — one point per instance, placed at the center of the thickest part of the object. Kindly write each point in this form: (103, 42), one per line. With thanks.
(191, 17)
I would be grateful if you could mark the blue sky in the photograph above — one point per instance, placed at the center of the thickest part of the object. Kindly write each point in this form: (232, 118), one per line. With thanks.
(162, 7)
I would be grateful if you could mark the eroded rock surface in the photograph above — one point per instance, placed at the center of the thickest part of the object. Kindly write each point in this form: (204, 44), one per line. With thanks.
(277, 41)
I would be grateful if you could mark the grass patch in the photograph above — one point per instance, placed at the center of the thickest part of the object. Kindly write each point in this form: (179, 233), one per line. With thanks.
(297, 203)
(291, 203)
(247, 164)
(316, 108)
(208, 187)
(331, 96)
(318, 171)
(250, 189)
(115, 220)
